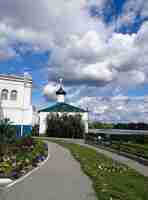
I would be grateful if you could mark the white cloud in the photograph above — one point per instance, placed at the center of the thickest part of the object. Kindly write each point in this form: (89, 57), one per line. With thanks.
(84, 50)
(50, 91)
(117, 108)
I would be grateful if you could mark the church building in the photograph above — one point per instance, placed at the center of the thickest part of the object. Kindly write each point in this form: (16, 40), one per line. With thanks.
(61, 108)
(16, 101)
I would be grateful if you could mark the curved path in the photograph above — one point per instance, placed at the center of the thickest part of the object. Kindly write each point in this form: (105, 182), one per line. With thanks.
(59, 179)
(142, 169)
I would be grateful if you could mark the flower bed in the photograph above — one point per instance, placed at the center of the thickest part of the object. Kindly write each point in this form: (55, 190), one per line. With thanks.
(22, 156)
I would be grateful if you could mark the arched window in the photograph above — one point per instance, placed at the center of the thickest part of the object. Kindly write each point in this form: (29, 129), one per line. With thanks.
(4, 94)
(13, 95)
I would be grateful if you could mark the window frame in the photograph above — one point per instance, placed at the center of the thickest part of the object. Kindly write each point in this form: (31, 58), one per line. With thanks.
(12, 95)
(4, 94)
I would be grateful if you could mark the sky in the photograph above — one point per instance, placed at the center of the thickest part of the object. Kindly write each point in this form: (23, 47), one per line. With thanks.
(98, 47)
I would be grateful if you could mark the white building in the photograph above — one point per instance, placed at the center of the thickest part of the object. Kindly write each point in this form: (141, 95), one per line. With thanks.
(61, 108)
(16, 101)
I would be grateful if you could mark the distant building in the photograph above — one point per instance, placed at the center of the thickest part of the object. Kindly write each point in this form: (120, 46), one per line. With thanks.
(61, 108)
(16, 101)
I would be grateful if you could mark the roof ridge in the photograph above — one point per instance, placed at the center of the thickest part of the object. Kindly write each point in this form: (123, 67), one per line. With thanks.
(62, 107)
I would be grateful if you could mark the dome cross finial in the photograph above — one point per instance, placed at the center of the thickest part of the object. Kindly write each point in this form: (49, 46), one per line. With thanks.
(61, 82)
(61, 92)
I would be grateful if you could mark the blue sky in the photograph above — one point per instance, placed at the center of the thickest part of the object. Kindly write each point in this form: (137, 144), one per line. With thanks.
(97, 46)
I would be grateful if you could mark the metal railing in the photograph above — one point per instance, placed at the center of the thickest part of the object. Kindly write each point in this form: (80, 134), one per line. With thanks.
(118, 132)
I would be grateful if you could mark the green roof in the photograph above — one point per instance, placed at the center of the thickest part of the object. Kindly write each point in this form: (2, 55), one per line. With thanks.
(62, 107)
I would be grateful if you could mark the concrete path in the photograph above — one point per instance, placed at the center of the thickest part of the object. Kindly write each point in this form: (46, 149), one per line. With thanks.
(59, 179)
(142, 169)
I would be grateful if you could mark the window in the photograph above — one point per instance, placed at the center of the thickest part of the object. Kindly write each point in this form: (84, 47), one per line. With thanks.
(4, 94)
(13, 95)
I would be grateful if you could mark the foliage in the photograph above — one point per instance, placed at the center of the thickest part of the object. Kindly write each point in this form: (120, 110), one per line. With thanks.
(130, 126)
(27, 153)
(67, 126)
(26, 141)
(7, 132)
(35, 130)
(5, 167)
(132, 148)
(99, 125)
(111, 180)
(136, 145)
(7, 135)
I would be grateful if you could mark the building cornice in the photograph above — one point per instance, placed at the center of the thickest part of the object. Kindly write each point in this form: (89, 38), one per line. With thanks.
(15, 108)
(15, 78)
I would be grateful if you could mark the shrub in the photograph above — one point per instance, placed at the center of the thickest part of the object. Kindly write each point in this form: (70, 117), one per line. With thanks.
(5, 167)
(68, 126)
(7, 135)
(25, 141)
(35, 130)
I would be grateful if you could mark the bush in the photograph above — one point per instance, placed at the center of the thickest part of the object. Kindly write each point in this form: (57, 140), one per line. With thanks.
(7, 135)
(27, 141)
(35, 130)
(28, 153)
(67, 126)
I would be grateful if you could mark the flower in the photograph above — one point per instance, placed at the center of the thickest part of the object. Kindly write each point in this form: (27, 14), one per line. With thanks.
(14, 174)
(13, 157)
(99, 166)
(27, 161)
(14, 164)
(6, 158)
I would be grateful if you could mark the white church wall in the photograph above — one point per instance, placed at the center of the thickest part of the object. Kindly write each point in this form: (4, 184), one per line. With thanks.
(18, 116)
(35, 117)
(19, 87)
(19, 111)
(85, 121)
(60, 98)
(42, 122)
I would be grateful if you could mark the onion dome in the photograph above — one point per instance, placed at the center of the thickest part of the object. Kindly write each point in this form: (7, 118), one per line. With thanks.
(60, 91)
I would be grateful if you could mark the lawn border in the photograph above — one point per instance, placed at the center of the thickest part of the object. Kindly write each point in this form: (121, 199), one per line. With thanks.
(30, 172)
(131, 156)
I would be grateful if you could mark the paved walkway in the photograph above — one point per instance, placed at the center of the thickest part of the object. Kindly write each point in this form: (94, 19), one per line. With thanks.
(142, 169)
(59, 179)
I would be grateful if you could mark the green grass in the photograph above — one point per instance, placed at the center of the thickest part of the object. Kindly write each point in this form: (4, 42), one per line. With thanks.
(133, 148)
(111, 180)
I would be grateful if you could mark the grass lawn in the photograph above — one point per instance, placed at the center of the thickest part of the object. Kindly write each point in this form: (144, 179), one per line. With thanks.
(111, 180)
(133, 148)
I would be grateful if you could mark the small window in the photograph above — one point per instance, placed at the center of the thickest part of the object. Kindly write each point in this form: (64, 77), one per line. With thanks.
(13, 95)
(4, 94)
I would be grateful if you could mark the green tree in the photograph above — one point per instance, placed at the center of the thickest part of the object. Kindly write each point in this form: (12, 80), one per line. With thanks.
(7, 135)
(99, 125)
(35, 130)
(67, 126)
